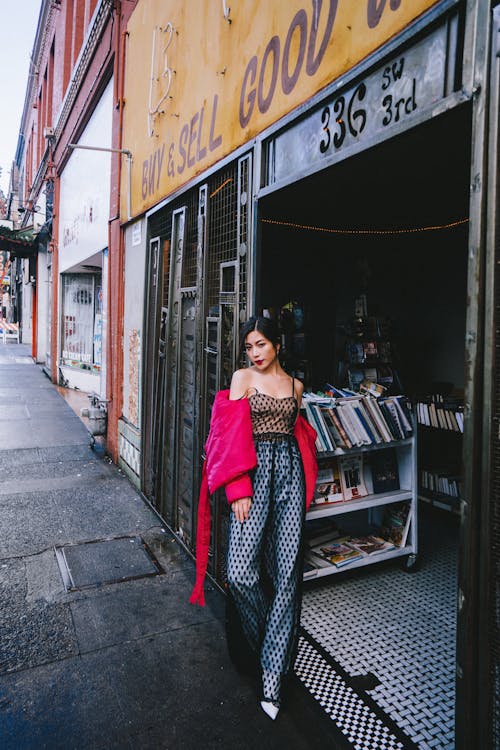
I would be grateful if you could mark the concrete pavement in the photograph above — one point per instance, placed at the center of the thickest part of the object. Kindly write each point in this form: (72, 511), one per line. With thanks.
(127, 664)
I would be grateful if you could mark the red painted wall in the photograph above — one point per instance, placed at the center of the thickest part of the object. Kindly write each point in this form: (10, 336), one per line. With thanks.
(64, 36)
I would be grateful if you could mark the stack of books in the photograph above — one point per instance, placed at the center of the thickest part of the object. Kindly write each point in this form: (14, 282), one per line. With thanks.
(441, 482)
(443, 413)
(344, 550)
(347, 422)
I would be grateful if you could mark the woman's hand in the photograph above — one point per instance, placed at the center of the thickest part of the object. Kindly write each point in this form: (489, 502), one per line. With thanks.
(241, 508)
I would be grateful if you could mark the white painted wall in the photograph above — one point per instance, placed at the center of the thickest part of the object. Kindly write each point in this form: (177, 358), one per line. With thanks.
(85, 190)
(83, 219)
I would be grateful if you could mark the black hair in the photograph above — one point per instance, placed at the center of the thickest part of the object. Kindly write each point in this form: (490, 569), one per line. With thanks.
(266, 326)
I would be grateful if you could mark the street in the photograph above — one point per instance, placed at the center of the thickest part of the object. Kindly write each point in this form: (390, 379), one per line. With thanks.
(122, 660)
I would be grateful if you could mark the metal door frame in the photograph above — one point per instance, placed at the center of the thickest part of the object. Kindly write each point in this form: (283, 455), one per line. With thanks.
(150, 327)
(487, 672)
(171, 410)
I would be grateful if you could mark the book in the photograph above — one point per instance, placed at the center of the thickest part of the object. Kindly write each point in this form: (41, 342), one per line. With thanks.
(338, 422)
(328, 487)
(355, 352)
(404, 411)
(321, 531)
(370, 349)
(332, 427)
(385, 472)
(396, 432)
(396, 523)
(346, 419)
(370, 422)
(313, 562)
(352, 477)
(371, 544)
(340, 553)
(371, 387)
(355, 378)
(391, 406)
(378, 418)
(307, 413)
(370, 374)
(385, 376)
(322, 428)
(373, 438)
(362, 437)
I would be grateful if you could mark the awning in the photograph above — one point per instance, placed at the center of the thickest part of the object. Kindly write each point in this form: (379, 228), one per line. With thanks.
(22, 243)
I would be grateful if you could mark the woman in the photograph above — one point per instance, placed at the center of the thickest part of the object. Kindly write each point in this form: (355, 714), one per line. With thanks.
(264, 455)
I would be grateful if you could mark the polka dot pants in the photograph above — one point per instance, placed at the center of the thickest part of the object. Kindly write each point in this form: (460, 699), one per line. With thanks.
(268, 544)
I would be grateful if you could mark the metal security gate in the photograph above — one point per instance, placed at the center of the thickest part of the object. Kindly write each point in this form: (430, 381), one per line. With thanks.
(226, 305)
(183, 382)
(156, 312)
(197, 298)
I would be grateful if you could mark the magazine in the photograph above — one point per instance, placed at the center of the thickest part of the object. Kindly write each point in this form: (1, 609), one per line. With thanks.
(371, 544)
(352, 477)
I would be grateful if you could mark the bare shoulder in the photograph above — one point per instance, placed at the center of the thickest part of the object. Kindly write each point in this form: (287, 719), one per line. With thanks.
(239, 384)
(299, 390)
(299, 387)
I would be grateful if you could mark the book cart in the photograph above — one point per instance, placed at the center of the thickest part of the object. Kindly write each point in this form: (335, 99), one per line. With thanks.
(372, 505)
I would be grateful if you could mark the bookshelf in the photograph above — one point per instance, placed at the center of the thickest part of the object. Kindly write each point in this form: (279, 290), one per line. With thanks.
(440, 429)
(367, 350)
(357, 510)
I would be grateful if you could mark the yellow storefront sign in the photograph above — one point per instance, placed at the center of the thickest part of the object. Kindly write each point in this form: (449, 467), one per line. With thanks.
(203, 79)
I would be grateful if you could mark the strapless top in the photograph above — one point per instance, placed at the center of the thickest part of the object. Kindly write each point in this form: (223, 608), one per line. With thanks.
(272, 415)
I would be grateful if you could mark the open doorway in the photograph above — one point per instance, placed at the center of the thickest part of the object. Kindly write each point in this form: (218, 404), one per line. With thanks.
(386, 229)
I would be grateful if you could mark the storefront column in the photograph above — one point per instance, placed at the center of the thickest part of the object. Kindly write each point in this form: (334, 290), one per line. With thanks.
(468, 696)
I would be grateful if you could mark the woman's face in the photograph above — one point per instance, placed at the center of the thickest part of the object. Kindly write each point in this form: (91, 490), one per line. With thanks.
(260, 351)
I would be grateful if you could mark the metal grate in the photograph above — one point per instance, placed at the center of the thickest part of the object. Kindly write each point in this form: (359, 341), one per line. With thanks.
(160, 225)
(244, 226)
(190, 250)
(104, 561)
(222, 231)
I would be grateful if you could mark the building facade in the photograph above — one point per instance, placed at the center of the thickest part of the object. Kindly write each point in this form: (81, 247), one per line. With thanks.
(68, 164)
(182, 166)
(310, 153)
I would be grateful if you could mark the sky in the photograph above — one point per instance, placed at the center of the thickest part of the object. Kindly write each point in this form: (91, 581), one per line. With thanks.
(17, 35)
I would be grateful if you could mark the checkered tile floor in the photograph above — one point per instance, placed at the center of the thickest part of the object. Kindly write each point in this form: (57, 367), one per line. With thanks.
(398, 627)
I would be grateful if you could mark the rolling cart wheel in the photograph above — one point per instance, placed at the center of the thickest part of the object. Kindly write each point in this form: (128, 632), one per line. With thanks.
(410, 563)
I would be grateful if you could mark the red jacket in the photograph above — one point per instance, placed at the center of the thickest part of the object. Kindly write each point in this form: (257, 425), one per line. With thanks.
(230, 457)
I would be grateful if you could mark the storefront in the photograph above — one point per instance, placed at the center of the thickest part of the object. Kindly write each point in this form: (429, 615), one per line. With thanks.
(83, 253)
(364, 183)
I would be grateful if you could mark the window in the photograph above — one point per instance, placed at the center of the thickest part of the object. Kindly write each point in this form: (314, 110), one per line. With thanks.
(82, 321)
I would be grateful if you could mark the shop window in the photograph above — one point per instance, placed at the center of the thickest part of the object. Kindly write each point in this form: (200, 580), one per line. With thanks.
(82, 321)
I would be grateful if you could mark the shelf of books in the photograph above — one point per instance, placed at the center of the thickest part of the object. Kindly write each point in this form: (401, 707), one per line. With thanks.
(365, 504)
(441, 424)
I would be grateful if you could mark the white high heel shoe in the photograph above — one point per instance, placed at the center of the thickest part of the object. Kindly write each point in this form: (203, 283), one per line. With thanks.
(270, 709)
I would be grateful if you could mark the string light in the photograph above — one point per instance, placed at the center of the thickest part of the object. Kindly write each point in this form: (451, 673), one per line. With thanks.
(328, 230)
(226, 182)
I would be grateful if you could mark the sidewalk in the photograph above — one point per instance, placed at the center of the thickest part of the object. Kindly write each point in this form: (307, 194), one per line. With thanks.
(128, 664)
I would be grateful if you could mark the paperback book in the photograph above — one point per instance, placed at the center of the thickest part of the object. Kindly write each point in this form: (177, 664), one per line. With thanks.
(352, 477)
(396, 523)
(371, 544)
(341, 553)
(328, 487)
(385, 473)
